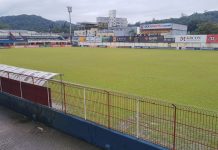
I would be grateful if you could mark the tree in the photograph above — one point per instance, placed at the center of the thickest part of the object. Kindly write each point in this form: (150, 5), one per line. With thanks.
(183, 15)
(193, 21)
(207, 28)
(4, 26)
(137, 23)
(193, 25)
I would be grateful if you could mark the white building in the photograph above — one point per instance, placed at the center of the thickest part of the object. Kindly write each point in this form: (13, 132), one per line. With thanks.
(112, 20)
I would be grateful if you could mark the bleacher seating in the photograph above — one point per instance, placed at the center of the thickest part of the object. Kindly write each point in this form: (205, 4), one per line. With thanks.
(5, 39)
(4, 36)
(28, 37)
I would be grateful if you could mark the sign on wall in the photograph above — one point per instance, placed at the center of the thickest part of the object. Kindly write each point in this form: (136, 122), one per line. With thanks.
(93, 39)
(191, 39)
(156, 26)
(212, 38)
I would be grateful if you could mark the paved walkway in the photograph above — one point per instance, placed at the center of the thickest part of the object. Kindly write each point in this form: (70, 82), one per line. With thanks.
(19, 133)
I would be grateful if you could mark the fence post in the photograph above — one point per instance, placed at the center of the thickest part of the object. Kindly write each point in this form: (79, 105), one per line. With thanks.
(84, 98)
(174, 126)
(62, 94)
(21, 92)
(49, 105)
(137, 118)
(33, 80)
(1, 84)
(65, 106)
(108, 105)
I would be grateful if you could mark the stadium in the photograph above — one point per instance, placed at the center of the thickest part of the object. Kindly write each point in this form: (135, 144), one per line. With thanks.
(153, 86)
(21, 39)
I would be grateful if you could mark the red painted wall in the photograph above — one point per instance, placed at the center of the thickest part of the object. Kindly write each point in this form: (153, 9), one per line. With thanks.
(34, 93)
(10, 86)
(212, 38)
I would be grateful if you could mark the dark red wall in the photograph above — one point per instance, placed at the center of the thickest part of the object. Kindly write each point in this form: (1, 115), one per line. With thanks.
(34, 93)
(11, 86)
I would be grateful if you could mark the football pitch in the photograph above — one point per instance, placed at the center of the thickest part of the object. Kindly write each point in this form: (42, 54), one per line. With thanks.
(181, 77)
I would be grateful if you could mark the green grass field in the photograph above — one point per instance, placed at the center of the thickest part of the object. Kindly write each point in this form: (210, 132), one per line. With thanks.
(181, 77)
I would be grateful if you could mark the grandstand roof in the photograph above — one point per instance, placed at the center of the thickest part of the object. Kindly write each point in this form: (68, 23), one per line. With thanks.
(17, 31)
(86, 23)
(26, 75)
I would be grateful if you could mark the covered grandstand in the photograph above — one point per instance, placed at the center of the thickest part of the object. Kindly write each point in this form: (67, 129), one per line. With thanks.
(10, 38)
(5, 39)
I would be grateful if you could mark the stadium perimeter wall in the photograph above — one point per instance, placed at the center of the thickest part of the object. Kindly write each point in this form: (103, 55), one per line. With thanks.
(151, 45)
(179, 42)
(85, 130)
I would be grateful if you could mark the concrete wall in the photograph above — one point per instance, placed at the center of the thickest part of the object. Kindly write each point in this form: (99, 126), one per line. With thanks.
(88, 131)
(157, 45)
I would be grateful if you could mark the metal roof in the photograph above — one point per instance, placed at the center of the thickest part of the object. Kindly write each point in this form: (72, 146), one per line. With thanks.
(26, 75)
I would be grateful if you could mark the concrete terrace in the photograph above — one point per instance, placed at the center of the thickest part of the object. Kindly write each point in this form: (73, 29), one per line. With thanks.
(20, 133)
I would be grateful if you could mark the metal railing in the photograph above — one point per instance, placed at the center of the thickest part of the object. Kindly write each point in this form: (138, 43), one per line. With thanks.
(173, 126)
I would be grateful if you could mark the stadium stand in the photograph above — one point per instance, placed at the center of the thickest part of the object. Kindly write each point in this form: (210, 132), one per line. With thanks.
(5, 39)
(24, 37)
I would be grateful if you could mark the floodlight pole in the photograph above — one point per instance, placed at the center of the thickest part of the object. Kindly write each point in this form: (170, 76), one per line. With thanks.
(69, 9)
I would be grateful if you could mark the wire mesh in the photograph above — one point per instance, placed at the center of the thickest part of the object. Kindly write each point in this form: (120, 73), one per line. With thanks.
(123, 113)
(196, 129)
(56, 94)
(172, 126)
(157, 122)
(169, 125)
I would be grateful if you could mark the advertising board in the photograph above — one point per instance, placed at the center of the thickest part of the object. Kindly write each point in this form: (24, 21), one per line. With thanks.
(82, 39)
(75, 39)
(98, 39)
(90, 39)
(169, 40)
(156, 26)
(212, 38)
(151, 39)
(191, 39)
(136, 39)
(121, 39)
(93, 39)
(107, 39)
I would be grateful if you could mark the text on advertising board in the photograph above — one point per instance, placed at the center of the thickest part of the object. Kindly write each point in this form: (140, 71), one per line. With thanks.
(157, 26)
(191, 39)
(212, 38)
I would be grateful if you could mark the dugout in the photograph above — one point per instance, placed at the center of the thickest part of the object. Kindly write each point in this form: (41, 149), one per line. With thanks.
(28, 84)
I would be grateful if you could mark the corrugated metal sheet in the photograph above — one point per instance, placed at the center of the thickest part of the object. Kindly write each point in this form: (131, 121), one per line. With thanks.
(26, 75)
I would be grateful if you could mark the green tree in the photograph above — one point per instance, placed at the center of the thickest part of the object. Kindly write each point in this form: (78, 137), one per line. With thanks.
(194, 21)
(4, 26)
(193, 25)
(207, 28)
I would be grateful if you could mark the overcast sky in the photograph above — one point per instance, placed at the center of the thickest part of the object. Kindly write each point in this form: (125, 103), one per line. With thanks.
(88, 10)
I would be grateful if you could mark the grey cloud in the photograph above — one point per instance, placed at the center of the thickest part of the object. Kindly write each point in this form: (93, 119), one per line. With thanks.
(88, 10)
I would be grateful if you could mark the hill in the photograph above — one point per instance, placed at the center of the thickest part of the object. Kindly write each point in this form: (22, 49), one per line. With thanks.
(198, 23)
(34, 23)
